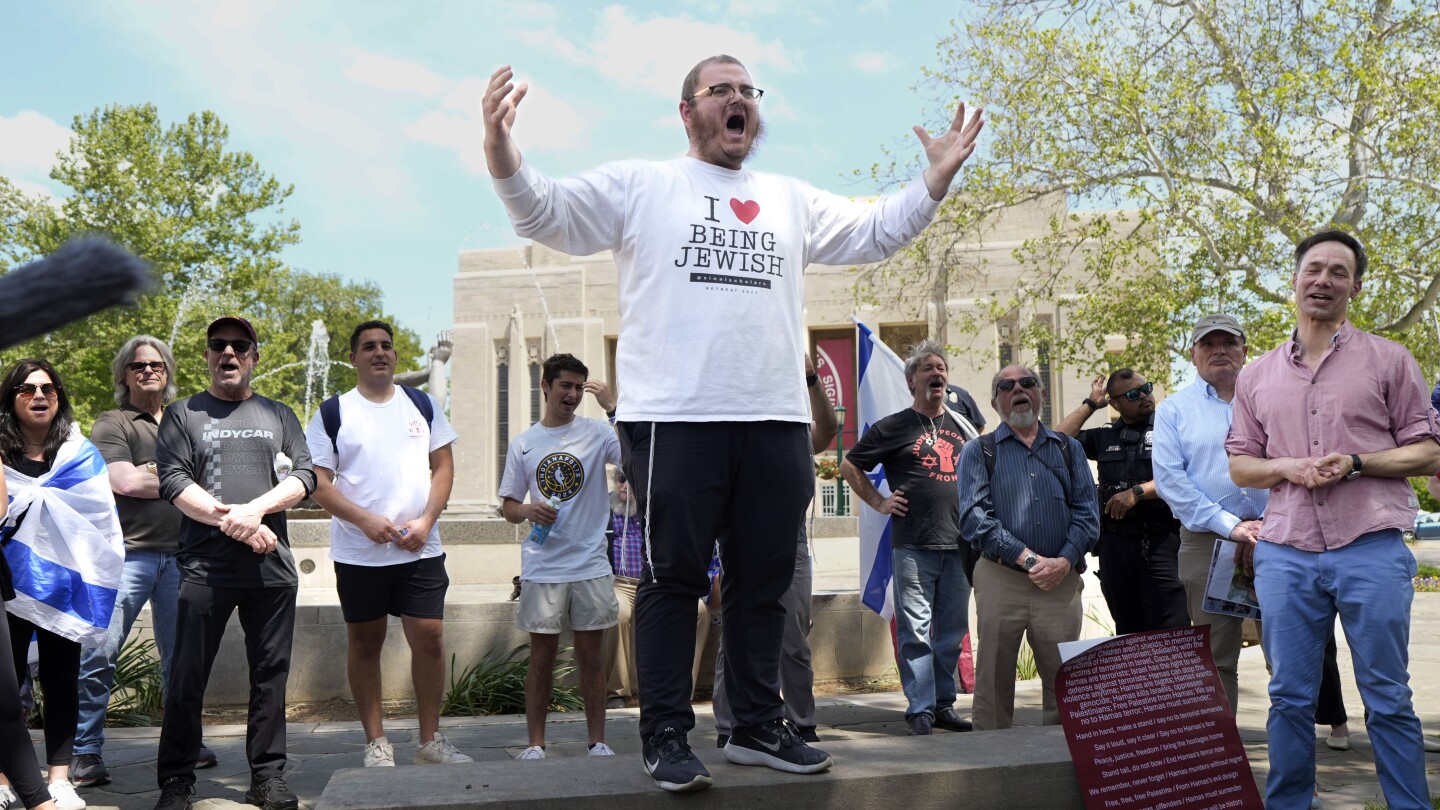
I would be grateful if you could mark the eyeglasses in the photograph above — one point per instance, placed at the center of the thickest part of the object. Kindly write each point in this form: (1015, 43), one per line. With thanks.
(1023, 382)
(723, 92)
(240, 346)
(27, 390)
(1138, 391)
(157, 366)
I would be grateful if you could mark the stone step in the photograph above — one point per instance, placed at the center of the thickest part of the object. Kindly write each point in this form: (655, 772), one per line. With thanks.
(1021, 768)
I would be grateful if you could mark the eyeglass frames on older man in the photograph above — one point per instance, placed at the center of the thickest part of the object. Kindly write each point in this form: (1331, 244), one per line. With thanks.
(723, 92)
(1023, 382)
(1138, 391)
(154, 365)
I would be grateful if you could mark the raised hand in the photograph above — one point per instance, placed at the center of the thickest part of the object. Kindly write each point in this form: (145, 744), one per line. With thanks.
(948, 151)
(502, 98)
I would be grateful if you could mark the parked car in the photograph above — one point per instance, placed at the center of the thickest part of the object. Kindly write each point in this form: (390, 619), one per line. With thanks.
(1427, 527)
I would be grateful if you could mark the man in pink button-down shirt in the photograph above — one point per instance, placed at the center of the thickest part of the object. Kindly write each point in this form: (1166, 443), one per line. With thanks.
(1333, 422)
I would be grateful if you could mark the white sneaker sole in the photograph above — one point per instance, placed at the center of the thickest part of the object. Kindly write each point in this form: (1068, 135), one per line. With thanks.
(740, 755)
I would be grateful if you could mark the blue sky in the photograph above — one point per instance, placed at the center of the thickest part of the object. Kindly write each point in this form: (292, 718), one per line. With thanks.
(371, 109)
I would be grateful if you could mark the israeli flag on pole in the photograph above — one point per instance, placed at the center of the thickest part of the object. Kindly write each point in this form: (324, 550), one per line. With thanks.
(67, 554)
(881, 392)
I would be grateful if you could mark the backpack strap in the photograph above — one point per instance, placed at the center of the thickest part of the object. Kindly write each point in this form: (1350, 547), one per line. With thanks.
(330, 418)
(987, 449)
(422, 403)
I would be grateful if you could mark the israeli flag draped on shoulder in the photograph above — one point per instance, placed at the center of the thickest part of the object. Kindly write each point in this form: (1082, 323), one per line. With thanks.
(66, 557)
(881, 391)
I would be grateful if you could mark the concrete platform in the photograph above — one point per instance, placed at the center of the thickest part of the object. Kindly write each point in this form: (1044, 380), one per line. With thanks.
(1000, 770)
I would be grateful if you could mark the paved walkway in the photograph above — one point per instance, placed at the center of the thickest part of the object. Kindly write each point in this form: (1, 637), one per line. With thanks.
(1347, 779)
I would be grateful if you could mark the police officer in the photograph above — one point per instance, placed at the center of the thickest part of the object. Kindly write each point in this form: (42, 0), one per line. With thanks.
(1139, 539)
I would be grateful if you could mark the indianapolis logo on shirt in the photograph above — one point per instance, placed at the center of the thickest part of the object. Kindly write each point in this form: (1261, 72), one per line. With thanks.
(560, 475)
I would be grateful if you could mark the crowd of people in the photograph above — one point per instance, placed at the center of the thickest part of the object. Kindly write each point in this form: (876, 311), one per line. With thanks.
(1301, 459)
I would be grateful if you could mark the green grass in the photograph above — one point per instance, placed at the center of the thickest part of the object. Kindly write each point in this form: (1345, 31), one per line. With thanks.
(496, 685)
(1025, 668)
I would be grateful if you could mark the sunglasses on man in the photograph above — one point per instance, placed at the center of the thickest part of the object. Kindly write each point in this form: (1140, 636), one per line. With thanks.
(240, 346)
(156, 366)
(1138, 391)
(1023, 382)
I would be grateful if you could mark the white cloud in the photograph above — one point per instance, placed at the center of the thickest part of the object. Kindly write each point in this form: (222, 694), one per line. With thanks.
(542, 123)
(654, 54)
(873, 63)
(388, 73)
(28, 143)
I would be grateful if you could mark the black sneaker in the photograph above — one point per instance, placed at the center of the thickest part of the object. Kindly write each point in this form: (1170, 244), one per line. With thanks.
(919, 724)
(175, 794)
(88, 770)
(671, 764)
(775, 745)
(807, 733)
(721, 739)
(272, 794)
(207, 758)
(950, 720)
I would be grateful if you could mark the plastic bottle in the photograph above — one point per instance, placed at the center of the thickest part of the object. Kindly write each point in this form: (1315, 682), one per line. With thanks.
(541, 531)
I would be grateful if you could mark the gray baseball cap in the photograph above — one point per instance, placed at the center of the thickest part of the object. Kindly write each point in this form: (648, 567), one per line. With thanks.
(1211, 323)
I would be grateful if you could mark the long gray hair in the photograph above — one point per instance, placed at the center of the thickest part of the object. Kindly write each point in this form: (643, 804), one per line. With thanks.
(120, 368)
(918, 353)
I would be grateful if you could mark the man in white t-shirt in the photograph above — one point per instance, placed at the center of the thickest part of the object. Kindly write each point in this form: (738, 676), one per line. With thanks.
(384, 468)
(555, 478)
(711, 259)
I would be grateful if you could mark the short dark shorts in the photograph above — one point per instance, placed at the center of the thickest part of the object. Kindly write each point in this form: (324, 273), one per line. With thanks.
(369, 592)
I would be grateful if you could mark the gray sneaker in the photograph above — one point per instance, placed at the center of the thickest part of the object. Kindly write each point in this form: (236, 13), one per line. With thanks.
(439, 751)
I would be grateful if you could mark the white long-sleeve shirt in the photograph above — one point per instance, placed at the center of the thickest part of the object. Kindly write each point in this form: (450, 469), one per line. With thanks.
(711, 264)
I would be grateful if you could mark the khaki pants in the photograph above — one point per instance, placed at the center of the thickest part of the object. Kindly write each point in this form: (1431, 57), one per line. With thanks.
(618, 647)
(1196, 549)
(1009, 607)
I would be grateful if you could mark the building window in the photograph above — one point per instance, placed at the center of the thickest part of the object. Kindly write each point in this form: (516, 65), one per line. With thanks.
(502, 408)
(532, 348)
(1005, 339)
(1045, 325)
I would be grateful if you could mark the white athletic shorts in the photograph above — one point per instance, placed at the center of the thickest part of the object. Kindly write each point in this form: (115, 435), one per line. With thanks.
(549, 607)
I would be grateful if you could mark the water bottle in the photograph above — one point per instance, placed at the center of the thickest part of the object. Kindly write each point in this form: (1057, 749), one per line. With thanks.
(541, 531)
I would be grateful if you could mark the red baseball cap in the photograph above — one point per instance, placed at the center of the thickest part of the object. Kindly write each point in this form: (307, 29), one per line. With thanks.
(232, 320)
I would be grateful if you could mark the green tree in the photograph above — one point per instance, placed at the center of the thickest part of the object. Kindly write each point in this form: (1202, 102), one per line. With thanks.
(1213, 136)
(213, 225)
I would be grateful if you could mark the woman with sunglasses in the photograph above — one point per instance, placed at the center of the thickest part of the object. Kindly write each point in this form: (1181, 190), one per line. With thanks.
(50, 474)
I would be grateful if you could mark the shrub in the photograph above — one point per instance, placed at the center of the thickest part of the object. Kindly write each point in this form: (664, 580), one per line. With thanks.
(496, 685)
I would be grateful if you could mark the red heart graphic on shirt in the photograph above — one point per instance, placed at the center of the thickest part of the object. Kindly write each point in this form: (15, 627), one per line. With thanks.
(746, 211)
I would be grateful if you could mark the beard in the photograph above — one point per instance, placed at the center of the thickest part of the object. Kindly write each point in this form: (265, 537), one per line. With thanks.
(705, 138)
(1022, 419)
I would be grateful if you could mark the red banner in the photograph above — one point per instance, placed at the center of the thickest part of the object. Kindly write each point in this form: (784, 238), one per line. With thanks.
(835, 363)
(1149, 726)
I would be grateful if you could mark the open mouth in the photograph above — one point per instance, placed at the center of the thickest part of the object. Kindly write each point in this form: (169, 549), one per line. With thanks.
(229, 365)
(735, 124)
(1020, 401)
(937, 384)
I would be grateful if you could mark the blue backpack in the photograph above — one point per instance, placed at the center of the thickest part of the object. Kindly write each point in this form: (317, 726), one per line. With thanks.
(330, 413)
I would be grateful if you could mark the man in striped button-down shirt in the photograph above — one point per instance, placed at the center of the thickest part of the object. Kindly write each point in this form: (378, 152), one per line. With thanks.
(1033, 521)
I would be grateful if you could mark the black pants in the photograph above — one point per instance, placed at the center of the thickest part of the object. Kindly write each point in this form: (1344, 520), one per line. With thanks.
(59, 678)
(267, 615)
(1140, 577)
(746, 484)
(1330, 703)
(17, 755)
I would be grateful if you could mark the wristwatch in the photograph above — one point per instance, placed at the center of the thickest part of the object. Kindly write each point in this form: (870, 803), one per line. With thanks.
(811, 380)
(1355, 467)
(1093, 406)
(1139, 491)
(1029, 561)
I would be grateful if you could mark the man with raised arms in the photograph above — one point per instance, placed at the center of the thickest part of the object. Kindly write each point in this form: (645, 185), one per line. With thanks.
(713, 413)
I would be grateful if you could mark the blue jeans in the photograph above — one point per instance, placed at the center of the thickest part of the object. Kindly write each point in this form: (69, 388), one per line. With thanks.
(151, 576)
(1368, 584)
(932, 615)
